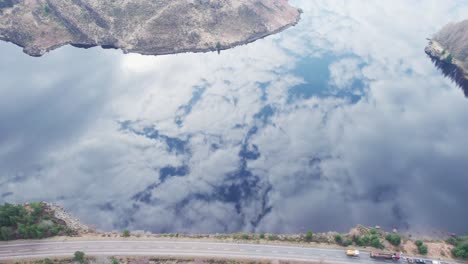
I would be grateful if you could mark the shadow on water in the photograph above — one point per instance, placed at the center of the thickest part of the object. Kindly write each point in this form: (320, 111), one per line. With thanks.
(453, 72)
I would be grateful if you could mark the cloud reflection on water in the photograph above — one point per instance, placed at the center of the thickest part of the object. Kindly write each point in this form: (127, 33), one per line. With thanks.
(208, 143)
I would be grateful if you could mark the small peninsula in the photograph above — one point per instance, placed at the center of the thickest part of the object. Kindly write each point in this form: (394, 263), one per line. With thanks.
(146, 27)
(448, 49)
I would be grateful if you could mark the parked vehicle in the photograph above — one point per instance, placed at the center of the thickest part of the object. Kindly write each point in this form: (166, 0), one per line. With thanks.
(352, 253)
(419, 261)
(384, 255)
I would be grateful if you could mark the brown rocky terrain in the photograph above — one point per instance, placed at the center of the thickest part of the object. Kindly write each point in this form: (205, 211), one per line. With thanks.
(147, 27)
(448, 49)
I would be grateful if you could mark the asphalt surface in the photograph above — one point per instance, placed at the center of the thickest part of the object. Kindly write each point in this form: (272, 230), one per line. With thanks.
(43, 249)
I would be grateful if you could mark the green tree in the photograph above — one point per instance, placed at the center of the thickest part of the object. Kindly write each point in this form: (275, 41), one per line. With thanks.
(422, 249)
(339, 239)
(6, 233)
(245, 236)
(449, 58)
(373, 231)
(360, 241)
(394, 239)
(418, 243)
(262, 236)
(375, 242)
(347, 243)
(125, 233)
(79, 256)
(461, 250)
(114, 261)
(309, 235)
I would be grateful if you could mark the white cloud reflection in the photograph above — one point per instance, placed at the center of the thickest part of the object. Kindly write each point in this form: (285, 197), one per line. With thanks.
(213, 143)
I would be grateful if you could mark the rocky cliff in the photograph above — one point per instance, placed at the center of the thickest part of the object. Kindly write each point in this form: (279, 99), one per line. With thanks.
(448, 49)
(146, 27)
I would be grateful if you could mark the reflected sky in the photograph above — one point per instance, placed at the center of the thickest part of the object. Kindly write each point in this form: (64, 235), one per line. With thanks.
(342, 120)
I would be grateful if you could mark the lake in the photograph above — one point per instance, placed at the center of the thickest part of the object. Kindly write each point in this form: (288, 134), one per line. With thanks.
(341, 120)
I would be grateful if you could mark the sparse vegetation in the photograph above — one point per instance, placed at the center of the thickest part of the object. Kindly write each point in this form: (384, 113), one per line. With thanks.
(262, 236)
(394, 239)
(272, 237)
(44, 261)
(245, 236)
(125, 233)
(29, 222)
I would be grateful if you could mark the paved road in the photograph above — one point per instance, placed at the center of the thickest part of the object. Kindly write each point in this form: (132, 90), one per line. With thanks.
(42, 249)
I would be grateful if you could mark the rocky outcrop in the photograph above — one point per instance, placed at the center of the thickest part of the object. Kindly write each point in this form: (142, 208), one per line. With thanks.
(71, 222)
(449, 51)
(145, 27)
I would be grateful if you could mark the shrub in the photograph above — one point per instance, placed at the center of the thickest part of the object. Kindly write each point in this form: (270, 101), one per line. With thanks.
(418, 243)
(125, 233)
(347, 243)
(375, 242)
(79, 256)
(272, 237)
(373, 231)
(394, 239)
(461, 247)
(262, 236)
(114, 261)
(309, 235)
(245, 236)
(422, 249)
(339, 239)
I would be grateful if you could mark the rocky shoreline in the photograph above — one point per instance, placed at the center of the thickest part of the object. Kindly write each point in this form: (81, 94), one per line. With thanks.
(149, 28)
(449, 65)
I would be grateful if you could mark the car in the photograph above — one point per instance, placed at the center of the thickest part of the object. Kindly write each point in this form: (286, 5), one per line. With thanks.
(419, 261)
(352, 253)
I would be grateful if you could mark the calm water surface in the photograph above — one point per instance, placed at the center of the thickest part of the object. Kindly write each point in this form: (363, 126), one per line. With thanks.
(339, 121)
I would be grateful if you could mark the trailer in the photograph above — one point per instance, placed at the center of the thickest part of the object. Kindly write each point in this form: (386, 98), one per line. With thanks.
(385, 255)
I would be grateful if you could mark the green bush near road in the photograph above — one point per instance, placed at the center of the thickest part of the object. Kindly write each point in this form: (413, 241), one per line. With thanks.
(422, 249)
(461, 246)
(31, 222)
(394, 239)
(339, 239)
(79, 256)
(309, 235)
(125, 233)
